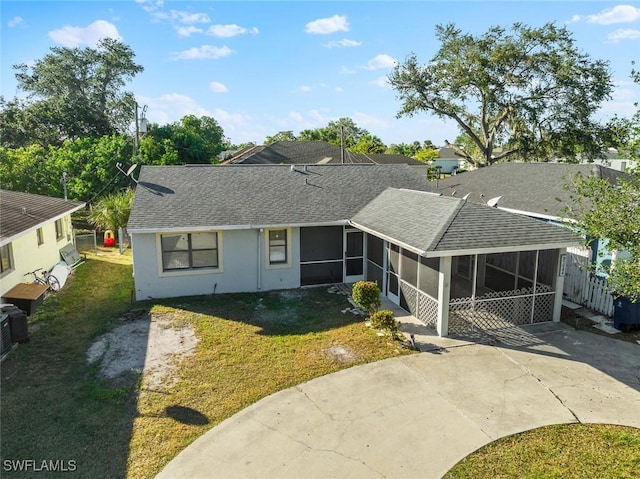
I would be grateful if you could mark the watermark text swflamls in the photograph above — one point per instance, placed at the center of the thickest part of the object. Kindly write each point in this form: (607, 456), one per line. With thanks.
(33, 465)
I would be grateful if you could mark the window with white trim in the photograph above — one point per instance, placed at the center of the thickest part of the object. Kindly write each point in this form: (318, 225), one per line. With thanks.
(189, 251)
(278, 247)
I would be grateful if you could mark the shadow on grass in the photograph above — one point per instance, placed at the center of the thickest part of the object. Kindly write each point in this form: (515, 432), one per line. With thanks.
(276, 313)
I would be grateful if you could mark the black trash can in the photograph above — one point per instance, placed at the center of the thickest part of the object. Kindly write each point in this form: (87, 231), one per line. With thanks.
(626, 315)
(17, 323)
(5, 332)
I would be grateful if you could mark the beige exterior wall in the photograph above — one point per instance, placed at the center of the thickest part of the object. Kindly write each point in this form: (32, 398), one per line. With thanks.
(27, 255)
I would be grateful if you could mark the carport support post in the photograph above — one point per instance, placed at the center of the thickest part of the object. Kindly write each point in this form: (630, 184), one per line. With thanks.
(444, 293)
(560, 271)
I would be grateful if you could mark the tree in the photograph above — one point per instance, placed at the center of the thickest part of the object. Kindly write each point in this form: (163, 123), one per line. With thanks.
(280, 136)
(530, 89)
(612, 212)
(72, 93)
(188, 141)
(369, 144)
(334, 132)
(112, 211)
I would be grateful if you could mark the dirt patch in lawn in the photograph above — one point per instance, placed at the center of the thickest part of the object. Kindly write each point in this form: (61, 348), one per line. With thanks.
(147, 344)
(340, 354)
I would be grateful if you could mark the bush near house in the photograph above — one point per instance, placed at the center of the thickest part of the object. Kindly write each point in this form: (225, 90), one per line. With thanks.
(366, 294)
(384, 320)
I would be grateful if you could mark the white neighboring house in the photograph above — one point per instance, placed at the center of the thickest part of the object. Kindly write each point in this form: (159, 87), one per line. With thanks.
(33, 230)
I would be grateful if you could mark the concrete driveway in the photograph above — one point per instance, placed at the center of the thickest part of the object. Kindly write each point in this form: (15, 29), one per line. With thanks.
(418, 415)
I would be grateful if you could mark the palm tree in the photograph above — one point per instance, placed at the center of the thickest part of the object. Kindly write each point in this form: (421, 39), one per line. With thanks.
(112, 211)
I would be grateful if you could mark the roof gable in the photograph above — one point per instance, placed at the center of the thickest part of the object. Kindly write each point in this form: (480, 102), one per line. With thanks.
(21, 212)
(430, 225)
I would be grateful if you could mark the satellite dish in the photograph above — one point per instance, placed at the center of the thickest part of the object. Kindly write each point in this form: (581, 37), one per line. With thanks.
(131, 168)
(466, 197)
(493, 202)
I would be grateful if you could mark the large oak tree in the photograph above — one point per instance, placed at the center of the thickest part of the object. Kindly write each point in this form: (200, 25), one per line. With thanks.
(529, 90)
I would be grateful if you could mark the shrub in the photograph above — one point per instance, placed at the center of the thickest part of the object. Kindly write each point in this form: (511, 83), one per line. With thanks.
(384, 320)
(366, 294)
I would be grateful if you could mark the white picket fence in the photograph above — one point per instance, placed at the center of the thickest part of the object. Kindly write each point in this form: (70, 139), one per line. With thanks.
(584, 288)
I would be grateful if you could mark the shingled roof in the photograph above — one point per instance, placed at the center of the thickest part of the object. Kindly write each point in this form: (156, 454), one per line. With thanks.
(310, 152)
(433, 225)
(537, 188)
(173, 198)
(21, 212)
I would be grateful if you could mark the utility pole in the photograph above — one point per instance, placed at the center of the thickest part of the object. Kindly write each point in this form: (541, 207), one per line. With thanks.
(139, 122)
(341, 143)
(63, 180)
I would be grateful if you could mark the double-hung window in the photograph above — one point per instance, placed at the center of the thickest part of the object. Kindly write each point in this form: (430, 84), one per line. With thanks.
(278, 247)
(190, 251)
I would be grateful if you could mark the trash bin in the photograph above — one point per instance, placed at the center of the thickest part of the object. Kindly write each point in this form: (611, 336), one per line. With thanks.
(626, 314)
(5, 330)
(19, 326)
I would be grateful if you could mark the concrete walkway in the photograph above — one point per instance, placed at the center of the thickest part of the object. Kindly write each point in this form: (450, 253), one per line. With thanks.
(416, 416)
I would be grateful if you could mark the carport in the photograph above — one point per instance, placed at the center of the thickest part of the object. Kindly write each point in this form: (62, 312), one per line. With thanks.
(459, 267)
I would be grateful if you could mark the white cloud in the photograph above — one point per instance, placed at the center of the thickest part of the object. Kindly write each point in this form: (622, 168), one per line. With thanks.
(228, 31)
(380, 61)
(72, 37)
(347, 71)
(171, 107)
(368, 122)
(382, 82)
(187, 31)
(305, 88)
(342, 43)
(180, 16)
(150, 5)
(218, 87)
(15, 22)
(324, 26)
(202, 53)
(623, 34)
(617, 14)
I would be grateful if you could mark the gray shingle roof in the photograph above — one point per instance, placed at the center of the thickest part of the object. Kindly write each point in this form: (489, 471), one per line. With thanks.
(310, 152)
(533, 187)
(186, 197)
(20, 212)
(432, 225)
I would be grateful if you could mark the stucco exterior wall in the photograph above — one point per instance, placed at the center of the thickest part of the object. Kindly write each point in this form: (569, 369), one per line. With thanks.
(243, 267)
(27, 255)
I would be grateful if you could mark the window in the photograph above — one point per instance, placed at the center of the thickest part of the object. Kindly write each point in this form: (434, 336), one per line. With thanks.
(40, 236)
(59, 229)
(5, 258)
(189, 251)
(278, 246)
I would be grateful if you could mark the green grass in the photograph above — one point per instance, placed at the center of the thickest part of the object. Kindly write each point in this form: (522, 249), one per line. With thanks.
(567, 451)
(57, 407)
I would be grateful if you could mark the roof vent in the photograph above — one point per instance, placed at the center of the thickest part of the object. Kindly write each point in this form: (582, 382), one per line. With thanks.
(24, 210)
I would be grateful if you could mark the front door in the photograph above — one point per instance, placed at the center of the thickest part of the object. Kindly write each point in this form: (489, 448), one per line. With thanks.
(353, 255)
(393, 273)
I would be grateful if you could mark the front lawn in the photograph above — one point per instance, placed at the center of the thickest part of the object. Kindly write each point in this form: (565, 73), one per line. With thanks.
(56, 407)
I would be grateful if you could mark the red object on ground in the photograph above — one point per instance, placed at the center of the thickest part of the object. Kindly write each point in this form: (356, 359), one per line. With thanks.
(109, 238)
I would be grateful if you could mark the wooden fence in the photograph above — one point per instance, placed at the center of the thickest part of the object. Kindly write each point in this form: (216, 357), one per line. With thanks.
(583, 287)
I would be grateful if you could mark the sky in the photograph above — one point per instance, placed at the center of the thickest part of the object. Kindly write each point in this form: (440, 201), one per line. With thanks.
(261, 67)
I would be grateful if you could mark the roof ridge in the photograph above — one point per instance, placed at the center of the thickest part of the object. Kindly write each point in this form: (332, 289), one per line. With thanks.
(438, 238)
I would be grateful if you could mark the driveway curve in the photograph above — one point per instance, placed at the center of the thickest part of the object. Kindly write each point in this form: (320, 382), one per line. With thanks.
(416, 416)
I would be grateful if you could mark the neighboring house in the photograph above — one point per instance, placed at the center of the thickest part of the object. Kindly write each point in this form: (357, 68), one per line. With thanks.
(455, 265)
(538, 190)
(311, 152)
(33, 230)
(449, 161)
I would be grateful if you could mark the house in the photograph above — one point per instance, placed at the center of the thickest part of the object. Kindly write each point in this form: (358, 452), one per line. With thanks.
(537, 190)
(454, 264)
(33, 230)
(311, 152)
(449, 161)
